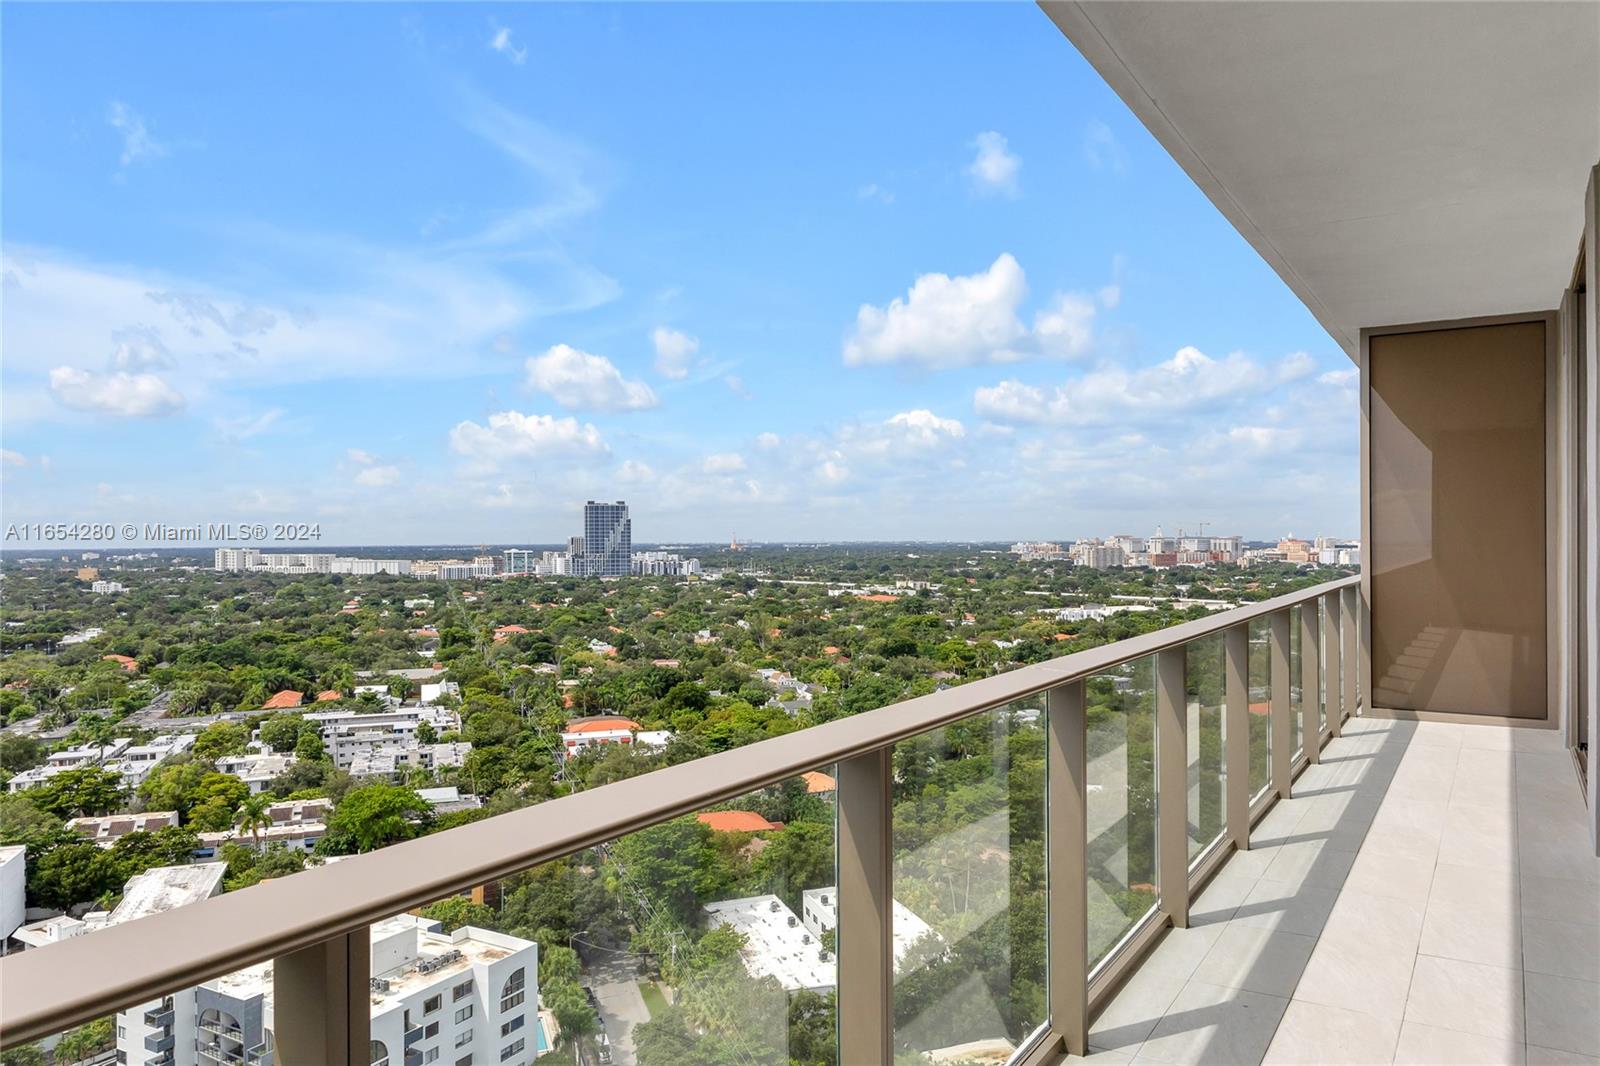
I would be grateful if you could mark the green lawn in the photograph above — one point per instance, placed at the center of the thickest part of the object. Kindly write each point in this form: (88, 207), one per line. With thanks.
(653, 999)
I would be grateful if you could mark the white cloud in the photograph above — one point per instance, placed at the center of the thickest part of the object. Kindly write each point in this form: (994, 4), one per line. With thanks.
(11, 458)
(244, 427)
(945, 321)
(832, 471)
(736, 386)
(673, 351)
(994, 168)
(511, 435)
(722, 463)
(767, 441)
(924, 428)
(137, 143)
(1102, 149)
(119, 393)
(1066, 328)
(1010, 401)
(501, 42)
(360, 457)
(378, 476)
(139, 348)
(874, 191)
(580, 381)
(636, 473)
(1190, 381)
(1110, 296)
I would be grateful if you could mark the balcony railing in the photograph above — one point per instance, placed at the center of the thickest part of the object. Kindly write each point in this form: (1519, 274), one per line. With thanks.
(315, 923)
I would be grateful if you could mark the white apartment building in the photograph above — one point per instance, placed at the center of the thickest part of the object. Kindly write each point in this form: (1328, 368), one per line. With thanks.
(67, 759)
(235, 559)
(396, 760)
(664, 564)
(469, 997)
(107, 829)
(13, 889)
(136, 761)
(348, 734)
(344, 564)
(105, 588)
(465, 571)
(256, 769)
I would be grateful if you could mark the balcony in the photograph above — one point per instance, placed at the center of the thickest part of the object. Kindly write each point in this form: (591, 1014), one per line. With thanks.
(161, 1041)
(159, 1017)
(1323, 883)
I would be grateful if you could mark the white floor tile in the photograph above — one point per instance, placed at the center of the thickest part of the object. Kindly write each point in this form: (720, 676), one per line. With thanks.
(1427, 1044)
(1260, 960)
(1311, 1034)
(1276, 905)
(1564, 949)
(1562, 1014)
(1468, 997)
(1214, 1025)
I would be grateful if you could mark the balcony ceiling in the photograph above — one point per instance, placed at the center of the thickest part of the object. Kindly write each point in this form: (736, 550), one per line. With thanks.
(1394, 162)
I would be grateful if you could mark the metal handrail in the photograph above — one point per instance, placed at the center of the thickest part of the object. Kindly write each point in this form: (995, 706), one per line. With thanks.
(68, 984)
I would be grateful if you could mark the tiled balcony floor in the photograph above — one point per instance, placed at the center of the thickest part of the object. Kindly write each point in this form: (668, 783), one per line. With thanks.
(1428, 896)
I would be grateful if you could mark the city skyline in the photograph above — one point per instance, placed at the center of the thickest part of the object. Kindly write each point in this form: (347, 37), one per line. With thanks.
(499, 278)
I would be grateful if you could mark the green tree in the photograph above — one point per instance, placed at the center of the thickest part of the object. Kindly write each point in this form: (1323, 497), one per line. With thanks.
(254, 814)
(84, 791)
(73, 873)
(18, 753)
(372, 817)
(219, 739)
(457, 911)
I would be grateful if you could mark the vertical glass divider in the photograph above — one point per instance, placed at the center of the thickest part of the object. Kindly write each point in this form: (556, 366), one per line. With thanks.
(1172, 784)
(1236, 732)
(1067, 864)
(865, 937)
(1333, 668)
(1280, 706)
(322, 1001)
(1349, 624)
(1310, 681)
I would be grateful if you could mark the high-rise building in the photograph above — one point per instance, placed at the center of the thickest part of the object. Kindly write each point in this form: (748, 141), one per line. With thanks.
(607, 540)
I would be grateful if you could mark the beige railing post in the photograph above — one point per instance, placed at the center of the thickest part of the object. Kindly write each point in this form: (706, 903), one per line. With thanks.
(1172, 784)
(1310, 681)
(865, 930)
(1067, 877)
(1333, 668)
(1350, 625)
(1280, 709)
(1236, 727)
(321, 1002)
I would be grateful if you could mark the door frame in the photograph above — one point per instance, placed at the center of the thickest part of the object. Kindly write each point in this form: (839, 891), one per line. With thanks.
(1552, 518)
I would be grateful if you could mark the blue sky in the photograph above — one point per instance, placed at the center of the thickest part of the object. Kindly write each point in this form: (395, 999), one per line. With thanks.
(439, 274)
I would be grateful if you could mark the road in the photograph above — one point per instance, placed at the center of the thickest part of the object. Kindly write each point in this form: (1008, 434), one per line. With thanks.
(615, 984)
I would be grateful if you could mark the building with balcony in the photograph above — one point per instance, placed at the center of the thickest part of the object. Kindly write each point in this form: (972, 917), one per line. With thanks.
(1355, 822)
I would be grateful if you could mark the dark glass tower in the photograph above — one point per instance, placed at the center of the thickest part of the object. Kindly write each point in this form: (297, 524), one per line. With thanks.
(607, 540)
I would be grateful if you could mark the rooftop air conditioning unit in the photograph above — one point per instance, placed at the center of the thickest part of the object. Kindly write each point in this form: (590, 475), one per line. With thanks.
(774, 906)
(792, 921)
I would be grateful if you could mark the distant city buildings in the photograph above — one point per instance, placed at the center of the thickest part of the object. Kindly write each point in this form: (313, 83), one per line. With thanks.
(107, 588)
(1162, 552)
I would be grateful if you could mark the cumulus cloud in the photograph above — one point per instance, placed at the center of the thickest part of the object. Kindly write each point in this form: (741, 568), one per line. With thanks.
(580, 381)
(945, 321)
(377, 476)
(722, 463)
(925, 428)
(673, 351)
(11, 458)
(137, 142)
(512, 435)
(501, 42)
(117, 393)
(994, 168)
(767, 441)
(1189, 381)
(360, 456)
(139, 348)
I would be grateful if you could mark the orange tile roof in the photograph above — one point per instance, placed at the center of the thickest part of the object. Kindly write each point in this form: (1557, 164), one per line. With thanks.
(601, 724)
(879, 597)
(128, 662)
(328, 694)
(281, 700)
(817, 781)
(736, 822)
(830, 650)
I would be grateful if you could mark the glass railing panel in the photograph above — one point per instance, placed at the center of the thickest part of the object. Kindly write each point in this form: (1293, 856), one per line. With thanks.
(1121, 856)
(969, 885)
(1207, 773)
(1260, 706)
(1296, 689)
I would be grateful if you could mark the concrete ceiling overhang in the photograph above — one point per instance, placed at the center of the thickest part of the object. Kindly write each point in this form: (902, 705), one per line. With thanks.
(1394, 162)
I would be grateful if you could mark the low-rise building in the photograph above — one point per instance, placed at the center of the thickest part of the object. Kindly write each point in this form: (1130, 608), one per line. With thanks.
(819, 913)
(256, 769)
(776, 944)
(136, 761)
(582, 734)
(107, 829)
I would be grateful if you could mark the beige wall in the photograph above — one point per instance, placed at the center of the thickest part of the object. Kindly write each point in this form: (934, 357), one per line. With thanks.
(1458, 513)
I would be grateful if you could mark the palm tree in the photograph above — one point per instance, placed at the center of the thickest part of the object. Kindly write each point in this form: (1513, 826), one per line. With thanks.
(254, 816)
